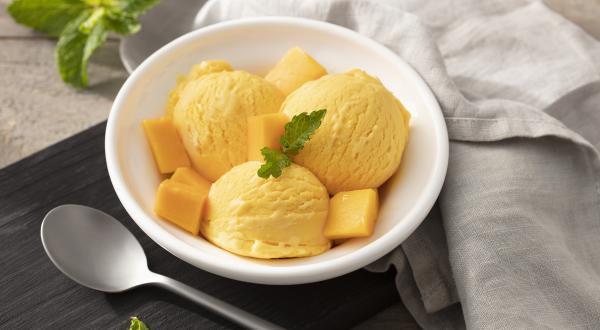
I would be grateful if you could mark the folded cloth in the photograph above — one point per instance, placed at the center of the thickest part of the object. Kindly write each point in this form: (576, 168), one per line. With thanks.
(514, 240)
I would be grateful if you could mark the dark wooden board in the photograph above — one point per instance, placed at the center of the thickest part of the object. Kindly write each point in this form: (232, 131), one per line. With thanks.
(34, 294)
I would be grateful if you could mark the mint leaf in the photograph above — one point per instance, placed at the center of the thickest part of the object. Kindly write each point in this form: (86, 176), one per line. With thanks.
(121, 23)
(297, 133)
(275, 161)
(132, 7)
(81, 26)
(299, 129)
(92, 20)
(75, 47)
(137, 324)
(48, 16)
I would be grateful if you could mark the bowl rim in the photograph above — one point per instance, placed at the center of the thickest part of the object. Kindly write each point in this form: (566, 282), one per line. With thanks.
(264, 274)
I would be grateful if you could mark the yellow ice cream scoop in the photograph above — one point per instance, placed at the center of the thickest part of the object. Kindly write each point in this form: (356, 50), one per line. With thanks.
(198, 70)
(360, 142)
(267, 218)
(211, 117)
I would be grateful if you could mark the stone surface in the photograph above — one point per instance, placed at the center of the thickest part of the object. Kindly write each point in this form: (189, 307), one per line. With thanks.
(36, 108)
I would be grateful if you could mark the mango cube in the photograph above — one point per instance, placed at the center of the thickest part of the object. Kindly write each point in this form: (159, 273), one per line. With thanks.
(180, 204)
(188, 176)
(264, 131)
(352, 214)
(293, 70)
(167, 148)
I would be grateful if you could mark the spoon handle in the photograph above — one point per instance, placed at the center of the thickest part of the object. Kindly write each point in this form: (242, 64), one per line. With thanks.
(220, 307)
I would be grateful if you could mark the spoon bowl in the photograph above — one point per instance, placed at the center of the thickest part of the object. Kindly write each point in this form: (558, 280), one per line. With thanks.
(97, 251)
(93, 249)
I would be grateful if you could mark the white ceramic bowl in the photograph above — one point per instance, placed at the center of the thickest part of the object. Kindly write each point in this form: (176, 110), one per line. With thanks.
(255, 45)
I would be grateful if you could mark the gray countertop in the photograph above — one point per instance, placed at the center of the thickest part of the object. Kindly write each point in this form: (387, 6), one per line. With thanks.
(36, 108)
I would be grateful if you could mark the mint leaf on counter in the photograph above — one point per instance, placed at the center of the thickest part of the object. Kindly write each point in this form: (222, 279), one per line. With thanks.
(297, 133)
(81, 25)
(122, 16)
(48, 16)
(121, 23)
(75, 47)
(136, 324)
(275, 162)
(133, 7)
(299, 130)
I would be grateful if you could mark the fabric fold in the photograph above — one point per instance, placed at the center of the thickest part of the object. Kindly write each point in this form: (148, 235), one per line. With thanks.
(513, 238)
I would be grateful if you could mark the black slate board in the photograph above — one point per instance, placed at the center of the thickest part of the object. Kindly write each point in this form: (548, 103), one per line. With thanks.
(34, 294)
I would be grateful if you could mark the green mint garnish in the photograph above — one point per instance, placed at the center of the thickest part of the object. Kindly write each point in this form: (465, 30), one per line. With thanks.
(299, 130)
(275, 161)
(297, 133)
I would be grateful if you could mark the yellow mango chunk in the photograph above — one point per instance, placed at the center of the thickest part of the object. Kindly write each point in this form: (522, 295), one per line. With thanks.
(198, 70)
(180, 204)
(188, 176)
(294, 69)
(167, 148)
(264, 131)
(352, 214)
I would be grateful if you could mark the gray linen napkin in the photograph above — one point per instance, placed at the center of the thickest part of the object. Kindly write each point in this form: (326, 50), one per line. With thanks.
(515, 236)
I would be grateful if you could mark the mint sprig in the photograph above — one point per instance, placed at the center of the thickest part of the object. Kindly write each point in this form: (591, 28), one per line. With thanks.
(297, 133)
(49, 16)
(275, 161)
(81, 25)
(75, 47)
(137, 324)
(299, 130)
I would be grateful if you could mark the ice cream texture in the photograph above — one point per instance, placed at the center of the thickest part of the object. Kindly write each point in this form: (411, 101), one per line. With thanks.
(274, 218)
(198, 70)
(361, 140)
(224, 117)
(211, 116)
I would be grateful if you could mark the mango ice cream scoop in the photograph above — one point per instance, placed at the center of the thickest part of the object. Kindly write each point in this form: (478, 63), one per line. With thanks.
(267, 218)
(211, 116)
(360, 142)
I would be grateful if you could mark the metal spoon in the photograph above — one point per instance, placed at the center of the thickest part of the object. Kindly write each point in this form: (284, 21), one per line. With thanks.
(97, 251)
